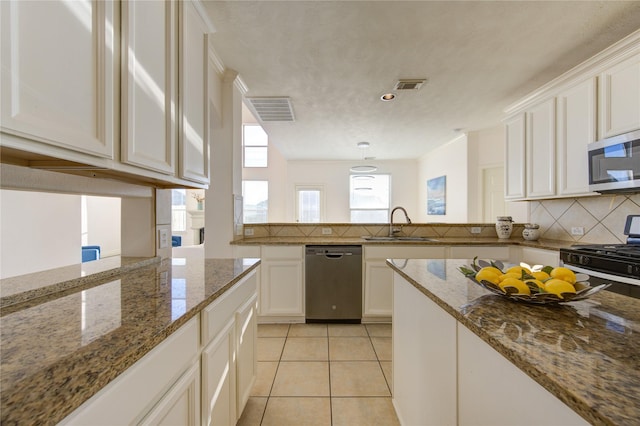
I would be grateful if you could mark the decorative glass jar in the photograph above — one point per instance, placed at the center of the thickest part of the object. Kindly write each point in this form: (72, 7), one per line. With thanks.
(531, 231)
(504, 226)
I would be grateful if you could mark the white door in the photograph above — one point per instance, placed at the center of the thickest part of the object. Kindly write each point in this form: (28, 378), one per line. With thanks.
(493, 194)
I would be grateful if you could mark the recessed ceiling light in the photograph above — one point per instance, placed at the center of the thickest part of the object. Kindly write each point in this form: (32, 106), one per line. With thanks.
(388, 97)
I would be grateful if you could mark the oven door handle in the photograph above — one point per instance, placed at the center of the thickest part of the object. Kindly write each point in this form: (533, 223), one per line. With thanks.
(603, 275)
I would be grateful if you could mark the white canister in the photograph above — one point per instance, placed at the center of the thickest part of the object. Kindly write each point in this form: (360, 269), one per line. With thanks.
(531, 231)
(504, 226)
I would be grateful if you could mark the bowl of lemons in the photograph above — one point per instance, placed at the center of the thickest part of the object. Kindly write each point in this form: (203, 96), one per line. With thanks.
(536, 284)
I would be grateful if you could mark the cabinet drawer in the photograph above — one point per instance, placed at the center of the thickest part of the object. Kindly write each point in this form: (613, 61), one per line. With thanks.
(282, 252)
(404, 252)
(222, 310)
(469, 252)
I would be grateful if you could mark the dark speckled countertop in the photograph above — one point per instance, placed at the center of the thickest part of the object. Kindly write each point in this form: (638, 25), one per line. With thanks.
(59, 350)
(586, 353)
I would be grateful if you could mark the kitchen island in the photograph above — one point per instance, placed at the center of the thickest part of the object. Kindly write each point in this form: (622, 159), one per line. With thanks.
(584, 354)
(58, 351)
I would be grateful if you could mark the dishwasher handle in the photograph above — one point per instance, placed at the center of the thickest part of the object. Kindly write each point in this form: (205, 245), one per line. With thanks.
(334, 255)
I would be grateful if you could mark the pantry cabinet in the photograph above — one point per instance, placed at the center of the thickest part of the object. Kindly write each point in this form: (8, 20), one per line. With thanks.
(148, 85)
(59, 76)
(620, 98)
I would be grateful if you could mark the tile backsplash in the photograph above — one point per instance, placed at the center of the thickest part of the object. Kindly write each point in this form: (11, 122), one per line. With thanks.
(602, 217)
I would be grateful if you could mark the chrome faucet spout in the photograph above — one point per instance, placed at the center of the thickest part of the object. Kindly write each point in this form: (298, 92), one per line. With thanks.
(392, 229)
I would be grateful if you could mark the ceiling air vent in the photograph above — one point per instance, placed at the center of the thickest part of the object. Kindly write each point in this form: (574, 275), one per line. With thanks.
(271, 109)
(410, 84)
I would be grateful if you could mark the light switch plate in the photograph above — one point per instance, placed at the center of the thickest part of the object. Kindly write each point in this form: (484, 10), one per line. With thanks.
(248, 232)
(476, 230)
(163, 238)
(577, 230)
(326, 231)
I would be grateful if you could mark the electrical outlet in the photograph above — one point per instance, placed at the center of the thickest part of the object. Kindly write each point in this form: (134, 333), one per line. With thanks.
(476, 230)
(163, 238)
(577, 230)
(326, 231)
(248, 232)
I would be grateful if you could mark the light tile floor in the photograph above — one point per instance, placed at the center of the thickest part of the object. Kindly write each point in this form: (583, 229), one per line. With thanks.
(322, 374)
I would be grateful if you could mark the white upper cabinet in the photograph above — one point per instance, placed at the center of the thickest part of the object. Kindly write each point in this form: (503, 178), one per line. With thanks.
(193, 133)
(148, 85)
(541, 149)
(620, 98)
(576, 126)
(515, 157)
(58, 73)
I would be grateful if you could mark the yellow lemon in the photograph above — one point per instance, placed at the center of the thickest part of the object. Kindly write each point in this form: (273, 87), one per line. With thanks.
(516, 275)
(518, 270)
(557, 286)
(514, 282)
(487, 275)
(563, 274)
(540, 275)
(493, 269)
(537, 283)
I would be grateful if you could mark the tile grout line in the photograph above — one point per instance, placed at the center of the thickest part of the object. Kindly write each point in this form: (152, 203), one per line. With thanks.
(264, 412)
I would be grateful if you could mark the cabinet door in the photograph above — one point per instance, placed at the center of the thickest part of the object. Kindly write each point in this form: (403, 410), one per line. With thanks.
(576, 121)
(493, 391)
(219, 378)
(246, 355)
(541, 150)
(620, 98)
(424, 358)
(281, 288)
(181, 405)
(148, 82)
(514, 186)
(378, 289)
(58, 76)
(193, 142)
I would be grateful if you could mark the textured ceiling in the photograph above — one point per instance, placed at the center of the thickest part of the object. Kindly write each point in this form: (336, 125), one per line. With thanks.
(335, 58)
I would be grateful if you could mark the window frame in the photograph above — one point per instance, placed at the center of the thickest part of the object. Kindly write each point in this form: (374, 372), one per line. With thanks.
(253, 146)
(387, 210)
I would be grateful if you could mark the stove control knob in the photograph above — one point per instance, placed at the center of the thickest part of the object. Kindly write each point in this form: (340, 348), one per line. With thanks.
(584, 260)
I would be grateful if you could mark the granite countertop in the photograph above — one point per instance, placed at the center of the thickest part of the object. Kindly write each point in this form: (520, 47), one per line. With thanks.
(586, 353)
(57, 351)
(439, 241)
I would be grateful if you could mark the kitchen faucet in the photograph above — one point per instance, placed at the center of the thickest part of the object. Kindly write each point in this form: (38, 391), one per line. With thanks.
(392, 230)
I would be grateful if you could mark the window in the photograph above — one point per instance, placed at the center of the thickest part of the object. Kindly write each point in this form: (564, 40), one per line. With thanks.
(178, 210)
(255, 198)
(254, 144)
(309, 204)
(369, 198)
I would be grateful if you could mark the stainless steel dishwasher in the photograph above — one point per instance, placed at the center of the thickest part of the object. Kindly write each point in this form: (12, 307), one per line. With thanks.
(333, 276)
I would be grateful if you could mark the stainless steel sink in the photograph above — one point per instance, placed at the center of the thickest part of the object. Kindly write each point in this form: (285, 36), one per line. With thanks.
(374, 238)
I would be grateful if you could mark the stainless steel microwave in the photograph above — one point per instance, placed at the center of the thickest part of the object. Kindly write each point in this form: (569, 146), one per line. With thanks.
(614, 164)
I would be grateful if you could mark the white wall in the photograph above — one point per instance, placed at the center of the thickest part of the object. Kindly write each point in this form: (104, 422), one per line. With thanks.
(39, 231)
(103, 225)
(449, 160)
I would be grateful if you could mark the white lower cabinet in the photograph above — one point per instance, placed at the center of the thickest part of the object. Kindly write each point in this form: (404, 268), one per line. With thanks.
(282, 283)
(218, 379)
(201, 374)
(158, 386)
(424, 359)
(378, 277)
(535, 256)
(493, 391)
(181, 405)
(483, 252)
(443, 374)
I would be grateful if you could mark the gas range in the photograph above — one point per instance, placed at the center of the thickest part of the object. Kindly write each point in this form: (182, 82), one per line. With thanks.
(615, 263)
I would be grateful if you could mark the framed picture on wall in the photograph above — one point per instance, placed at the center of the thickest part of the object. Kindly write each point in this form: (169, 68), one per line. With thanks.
(436, 196)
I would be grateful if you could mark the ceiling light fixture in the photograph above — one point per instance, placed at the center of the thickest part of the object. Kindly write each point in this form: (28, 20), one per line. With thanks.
(363, 168)
(388, 97)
